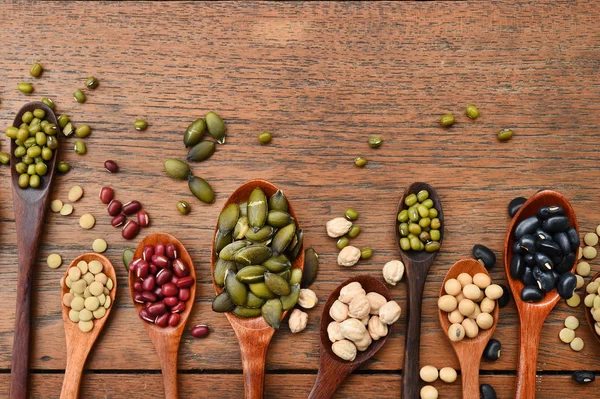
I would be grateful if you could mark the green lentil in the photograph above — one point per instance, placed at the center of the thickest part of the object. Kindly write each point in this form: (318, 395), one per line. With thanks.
(36, 70)
(351, 214)
(91, 83)
(140, 124)
(505, 134)
(360, 162)
(79, 96)
(80, 147)
(366, 253)
(264, 137)
(375, 141)
(183, 207)
(4, 158)
(83, 131)
(472, 111)
(49, 103)
(354, 231)
(26, 88)
(342, 242)
(63, 167)
(447, 120)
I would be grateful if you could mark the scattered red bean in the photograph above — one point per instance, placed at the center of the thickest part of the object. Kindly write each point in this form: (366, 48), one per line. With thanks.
(132, 207)
(111, 166)
(118, 220)
(200, 331)
(130, 230)
(114, 207)
(106, 195)
(143, 218)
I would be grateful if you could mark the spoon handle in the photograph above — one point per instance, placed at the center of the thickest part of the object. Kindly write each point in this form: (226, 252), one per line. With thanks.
(531, 331)
(74, 370)
(167, 349)
(329, 378)
(469, 369)
(29, 218)
(410, 378)
(253, 350)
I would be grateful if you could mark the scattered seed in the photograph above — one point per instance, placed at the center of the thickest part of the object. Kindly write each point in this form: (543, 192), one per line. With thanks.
(571, 322)
(264, 137)
(574, 301)
(183, 207)
(111, 166)
(49, 103)
(140, 124)
(589, 252)
(577, 344)
(66, 210)
(26, 88)
(91, 82)
(87, 221)
(472, 111)
(36, 70)
(54, 261)
(75, 193)
(375, 141)
(360, 162)
(79, 147)
(63, 167)
(56, 205)
(447, 120)
(583, 269)
(99, 245)
(505, 134)
(591, 239)
(79, 96)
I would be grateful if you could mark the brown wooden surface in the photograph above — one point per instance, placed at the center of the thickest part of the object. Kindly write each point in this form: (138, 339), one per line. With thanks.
(321, 77)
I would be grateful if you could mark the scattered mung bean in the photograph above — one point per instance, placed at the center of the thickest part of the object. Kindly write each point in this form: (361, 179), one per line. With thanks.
(183, 207)
(360, 162)
(91, 83)
(36, 70)
(26, 88)
(140, 124)
(79, 147)
(366, 253)
(63, 167)
(79, 96)
(264, 137)
(447, 120)
(472, 111)
(375, 141)
(505, 134)
(49, 103)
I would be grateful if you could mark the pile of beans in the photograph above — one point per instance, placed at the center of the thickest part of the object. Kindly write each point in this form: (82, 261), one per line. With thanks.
(592, 301)
(119, 213)
(544, 252)
(567, 334)
(36, 140)
(345, 229)
(419, 225)
(469, 302)
(430, 374)
(89, 293)
(256, 241)
(162, 284)
(359, 318)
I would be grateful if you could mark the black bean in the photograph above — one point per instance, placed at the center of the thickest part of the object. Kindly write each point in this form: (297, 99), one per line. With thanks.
(531, 293)
(543, 261)
(484, 255)
(517, 250)
(527, 277)
(566, 264)
(492, 350)
(517, 266)
(527, 226)
(542, 235)
(487, 392)
(505, 298)
(566, 285)
(573, 239)
(529, 259)
(555, 274)
(583, 377)
(563, 242)
(514, 205)
(556, 224)
(527, 243)
(547, 211)
(545, 279)
(548, 247)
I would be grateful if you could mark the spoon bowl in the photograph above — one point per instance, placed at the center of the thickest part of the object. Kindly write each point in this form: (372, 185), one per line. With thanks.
(332, 369)
(532, 315)
(29, 207)
(79, 343)
(589, 317)
(469, 350)
(254, 334)
(417, 267)
(166, 339)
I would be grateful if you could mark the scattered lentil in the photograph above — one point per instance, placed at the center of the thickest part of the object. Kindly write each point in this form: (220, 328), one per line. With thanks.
(571, 322)
(589, 252)
(54, 261)
(99, 245)
(66, 210)
(591, 239)
(577, 344)
(56, 205)
(87, 221)
(75, 193)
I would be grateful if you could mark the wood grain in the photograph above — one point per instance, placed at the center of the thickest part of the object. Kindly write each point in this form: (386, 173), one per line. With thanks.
(322, 77)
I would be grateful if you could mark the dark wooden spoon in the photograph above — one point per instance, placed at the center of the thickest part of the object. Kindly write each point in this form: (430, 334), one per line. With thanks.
(254, 334)
(417, 266)
(333, 370)
(166, 339)
(469, 350)
(588, 314)
(30, 207)
(532, 315)
(79, 344)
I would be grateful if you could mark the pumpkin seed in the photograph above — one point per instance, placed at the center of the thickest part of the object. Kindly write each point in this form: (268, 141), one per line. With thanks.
(244, 209)
(253, 254)
(272, 311)
(290, 300)
(253, 301)
(229, 251)
(236, 290)
(240, 229)
(222, 303)
(311, 267)
(298, 245)
(177, 169)
(194, 132)
(283, 238)
(261, 290)
(257, 209)
(276, 264)
(201, 189)
(279, 219)
(296, 277)
(228, 218)
(278, 202)
(246, 312)
(221, 268)
(127, 257)
(251, 274)
(201, 151)
(276, 284)
(216, 127)
(264, 233)
(221, 241)
(286, 274)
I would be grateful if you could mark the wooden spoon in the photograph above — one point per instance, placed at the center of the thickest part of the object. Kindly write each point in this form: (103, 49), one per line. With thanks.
(80, 343)
(417, 266)
(469, 350)
(333, 370)
(30, 207)
(588, 314)
(166, 339)
(532, 315)
(253, 334)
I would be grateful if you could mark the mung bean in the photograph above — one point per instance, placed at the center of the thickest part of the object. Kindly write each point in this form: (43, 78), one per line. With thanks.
(63, 167)
(91, 82)
(26, 88)
(36, 70)
(140, 124)
(183, 207)
(447, 120)
(79, 96)
(360, 162)
(79, 147)
(505, 134)
(375, 141)
(264, 137)
(472, 111)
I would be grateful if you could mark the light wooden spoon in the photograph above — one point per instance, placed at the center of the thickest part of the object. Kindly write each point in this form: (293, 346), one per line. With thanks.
(254, 334)
(469, 350)
(532, 315)
(417, 267)
(588, 313)
(166, 339)
(332, 369)
(80, 343)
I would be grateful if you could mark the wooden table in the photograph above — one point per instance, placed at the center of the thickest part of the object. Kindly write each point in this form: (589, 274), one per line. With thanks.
(322, 77)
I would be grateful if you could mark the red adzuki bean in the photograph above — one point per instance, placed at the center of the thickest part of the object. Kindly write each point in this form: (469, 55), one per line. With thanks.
(106, 195)
(132, 207)
(143, 218)
(118, 220)
(111, 166)
(200, 331)
(171, 251)
(130, 230)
